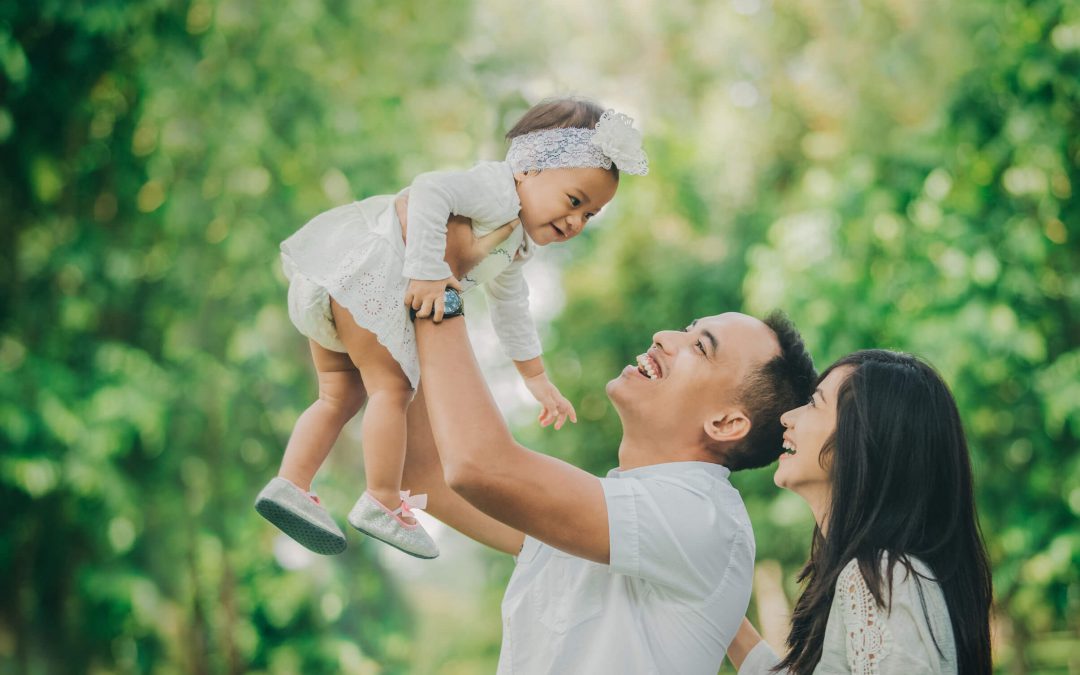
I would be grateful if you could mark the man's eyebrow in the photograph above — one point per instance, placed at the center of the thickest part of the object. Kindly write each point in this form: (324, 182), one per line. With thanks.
(712, 340)
(710, 336)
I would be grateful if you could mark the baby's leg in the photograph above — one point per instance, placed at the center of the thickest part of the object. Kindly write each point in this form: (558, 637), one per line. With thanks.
(389, 394)
(341, 395)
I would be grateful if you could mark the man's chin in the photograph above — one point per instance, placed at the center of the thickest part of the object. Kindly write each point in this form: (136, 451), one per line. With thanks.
(616, 391)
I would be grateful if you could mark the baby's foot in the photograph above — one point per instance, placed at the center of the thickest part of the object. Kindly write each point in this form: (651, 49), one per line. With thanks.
(398, 527)
(300, 515)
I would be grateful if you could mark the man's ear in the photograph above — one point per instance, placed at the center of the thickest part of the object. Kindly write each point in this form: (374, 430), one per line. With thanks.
(728, 426)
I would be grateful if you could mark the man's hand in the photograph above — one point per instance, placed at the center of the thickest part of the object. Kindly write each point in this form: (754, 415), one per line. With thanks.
(426, 297)
(556, 408)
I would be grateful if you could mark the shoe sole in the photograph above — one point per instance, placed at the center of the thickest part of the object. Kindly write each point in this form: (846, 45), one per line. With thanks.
(390, 543)
(309, 536)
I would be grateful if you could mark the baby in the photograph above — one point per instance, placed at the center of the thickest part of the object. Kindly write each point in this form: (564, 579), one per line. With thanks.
(356, 271)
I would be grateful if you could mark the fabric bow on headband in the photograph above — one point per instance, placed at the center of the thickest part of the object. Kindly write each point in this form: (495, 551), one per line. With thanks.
(613, 141)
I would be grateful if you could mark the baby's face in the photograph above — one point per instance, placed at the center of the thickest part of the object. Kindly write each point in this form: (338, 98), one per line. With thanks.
(556, 203)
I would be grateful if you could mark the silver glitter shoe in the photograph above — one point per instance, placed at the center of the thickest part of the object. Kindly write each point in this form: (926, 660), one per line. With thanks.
(369, 516)
(300, 515)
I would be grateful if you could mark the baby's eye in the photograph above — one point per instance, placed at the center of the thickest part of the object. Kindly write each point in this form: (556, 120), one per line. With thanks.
(589, 216)
(574, 201)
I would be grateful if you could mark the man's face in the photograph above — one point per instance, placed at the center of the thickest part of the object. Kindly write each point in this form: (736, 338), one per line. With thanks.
(688, 376)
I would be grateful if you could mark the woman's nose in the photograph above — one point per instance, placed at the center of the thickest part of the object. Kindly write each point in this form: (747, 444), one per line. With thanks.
(787, 420)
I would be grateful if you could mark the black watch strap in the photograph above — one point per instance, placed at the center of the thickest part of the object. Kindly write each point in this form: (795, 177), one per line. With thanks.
(453, 305)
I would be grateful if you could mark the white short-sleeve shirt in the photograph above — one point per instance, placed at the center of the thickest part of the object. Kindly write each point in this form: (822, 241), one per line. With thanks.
(671, 599)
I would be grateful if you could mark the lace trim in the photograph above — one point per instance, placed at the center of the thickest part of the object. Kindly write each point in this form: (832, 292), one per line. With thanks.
(869, 639)
(613, 141)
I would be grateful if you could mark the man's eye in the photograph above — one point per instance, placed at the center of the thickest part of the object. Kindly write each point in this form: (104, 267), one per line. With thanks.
(701, 346)
(574, 201)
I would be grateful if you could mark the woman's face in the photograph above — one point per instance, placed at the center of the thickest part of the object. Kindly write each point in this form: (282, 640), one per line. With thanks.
(806, 430)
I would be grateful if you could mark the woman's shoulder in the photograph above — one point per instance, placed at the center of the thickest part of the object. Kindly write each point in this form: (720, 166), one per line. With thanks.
(904, 569)
(905, 628)
(906, 583)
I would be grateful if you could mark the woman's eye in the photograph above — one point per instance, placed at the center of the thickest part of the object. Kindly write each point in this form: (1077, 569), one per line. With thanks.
(810, 402)
(574, 201)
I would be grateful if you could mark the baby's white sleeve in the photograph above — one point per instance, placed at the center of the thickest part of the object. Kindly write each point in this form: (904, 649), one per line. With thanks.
(484, 193)
(508, 303)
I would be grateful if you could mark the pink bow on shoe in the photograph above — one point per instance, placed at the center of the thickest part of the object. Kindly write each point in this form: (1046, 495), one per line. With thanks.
(411, 502)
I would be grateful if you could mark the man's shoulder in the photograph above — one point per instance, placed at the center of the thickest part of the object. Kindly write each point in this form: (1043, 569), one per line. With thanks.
(695, 490)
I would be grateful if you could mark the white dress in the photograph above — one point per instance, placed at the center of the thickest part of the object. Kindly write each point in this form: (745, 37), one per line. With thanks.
(355, 254)
(864, 639)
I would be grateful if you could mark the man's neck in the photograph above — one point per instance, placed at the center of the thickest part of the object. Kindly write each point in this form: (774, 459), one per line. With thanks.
(638, 452)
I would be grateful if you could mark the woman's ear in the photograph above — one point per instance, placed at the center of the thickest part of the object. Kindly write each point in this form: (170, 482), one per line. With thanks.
(728, 426)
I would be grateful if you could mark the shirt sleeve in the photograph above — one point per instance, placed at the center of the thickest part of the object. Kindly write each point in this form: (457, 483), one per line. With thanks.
(760, 661)
(508, 304)
(656, 529)
(484, 193)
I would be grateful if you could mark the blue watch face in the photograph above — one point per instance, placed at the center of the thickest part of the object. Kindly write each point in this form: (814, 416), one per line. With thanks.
(451, 302)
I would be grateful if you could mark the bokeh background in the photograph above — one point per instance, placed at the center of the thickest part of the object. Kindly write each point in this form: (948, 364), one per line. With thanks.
(893, 173)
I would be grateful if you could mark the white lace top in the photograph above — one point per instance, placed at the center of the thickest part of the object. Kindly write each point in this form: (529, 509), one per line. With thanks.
(865, 639)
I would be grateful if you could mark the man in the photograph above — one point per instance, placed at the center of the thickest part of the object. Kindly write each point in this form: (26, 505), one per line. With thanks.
(647, 570)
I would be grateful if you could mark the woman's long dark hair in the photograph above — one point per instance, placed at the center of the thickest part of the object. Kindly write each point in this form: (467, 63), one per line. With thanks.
(901, 487)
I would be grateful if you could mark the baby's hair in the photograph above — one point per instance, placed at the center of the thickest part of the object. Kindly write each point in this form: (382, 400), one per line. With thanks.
(559, 113)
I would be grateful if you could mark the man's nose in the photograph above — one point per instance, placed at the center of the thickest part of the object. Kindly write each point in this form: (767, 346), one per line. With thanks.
(666, 340)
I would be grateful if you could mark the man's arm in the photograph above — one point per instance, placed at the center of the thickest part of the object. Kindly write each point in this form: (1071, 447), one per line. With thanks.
(423, 473)
(541, 496)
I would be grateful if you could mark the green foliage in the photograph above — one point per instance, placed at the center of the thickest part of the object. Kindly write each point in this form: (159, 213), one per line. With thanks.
(892, 174)
(933, 212)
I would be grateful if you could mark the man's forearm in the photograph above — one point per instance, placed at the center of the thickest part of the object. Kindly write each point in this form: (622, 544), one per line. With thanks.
(468, 427)
(536, 494)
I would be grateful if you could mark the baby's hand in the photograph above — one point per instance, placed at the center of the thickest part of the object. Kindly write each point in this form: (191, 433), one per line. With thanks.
(426, 297)
(556, 408)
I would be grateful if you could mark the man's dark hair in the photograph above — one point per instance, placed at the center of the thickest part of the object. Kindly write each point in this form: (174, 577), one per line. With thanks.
(780, 384)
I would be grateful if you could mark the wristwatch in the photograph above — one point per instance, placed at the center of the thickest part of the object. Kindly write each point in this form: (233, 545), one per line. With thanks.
(452, 305)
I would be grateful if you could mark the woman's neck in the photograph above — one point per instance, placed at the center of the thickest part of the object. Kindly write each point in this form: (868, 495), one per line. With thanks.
(818, 501)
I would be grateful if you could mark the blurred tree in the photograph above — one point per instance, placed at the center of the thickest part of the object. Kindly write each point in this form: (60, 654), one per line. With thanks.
(893, 174)
(916, 192)
(154, 155)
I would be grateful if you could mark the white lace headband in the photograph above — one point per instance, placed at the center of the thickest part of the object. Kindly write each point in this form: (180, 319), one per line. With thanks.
(613, 141)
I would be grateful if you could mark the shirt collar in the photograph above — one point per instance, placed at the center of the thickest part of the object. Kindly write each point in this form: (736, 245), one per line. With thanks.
(672, 469)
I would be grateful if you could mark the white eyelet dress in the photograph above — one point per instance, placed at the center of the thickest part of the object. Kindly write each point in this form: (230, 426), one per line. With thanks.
(355, 254)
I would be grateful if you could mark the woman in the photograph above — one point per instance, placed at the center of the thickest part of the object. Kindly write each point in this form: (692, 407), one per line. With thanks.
(898, 579)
